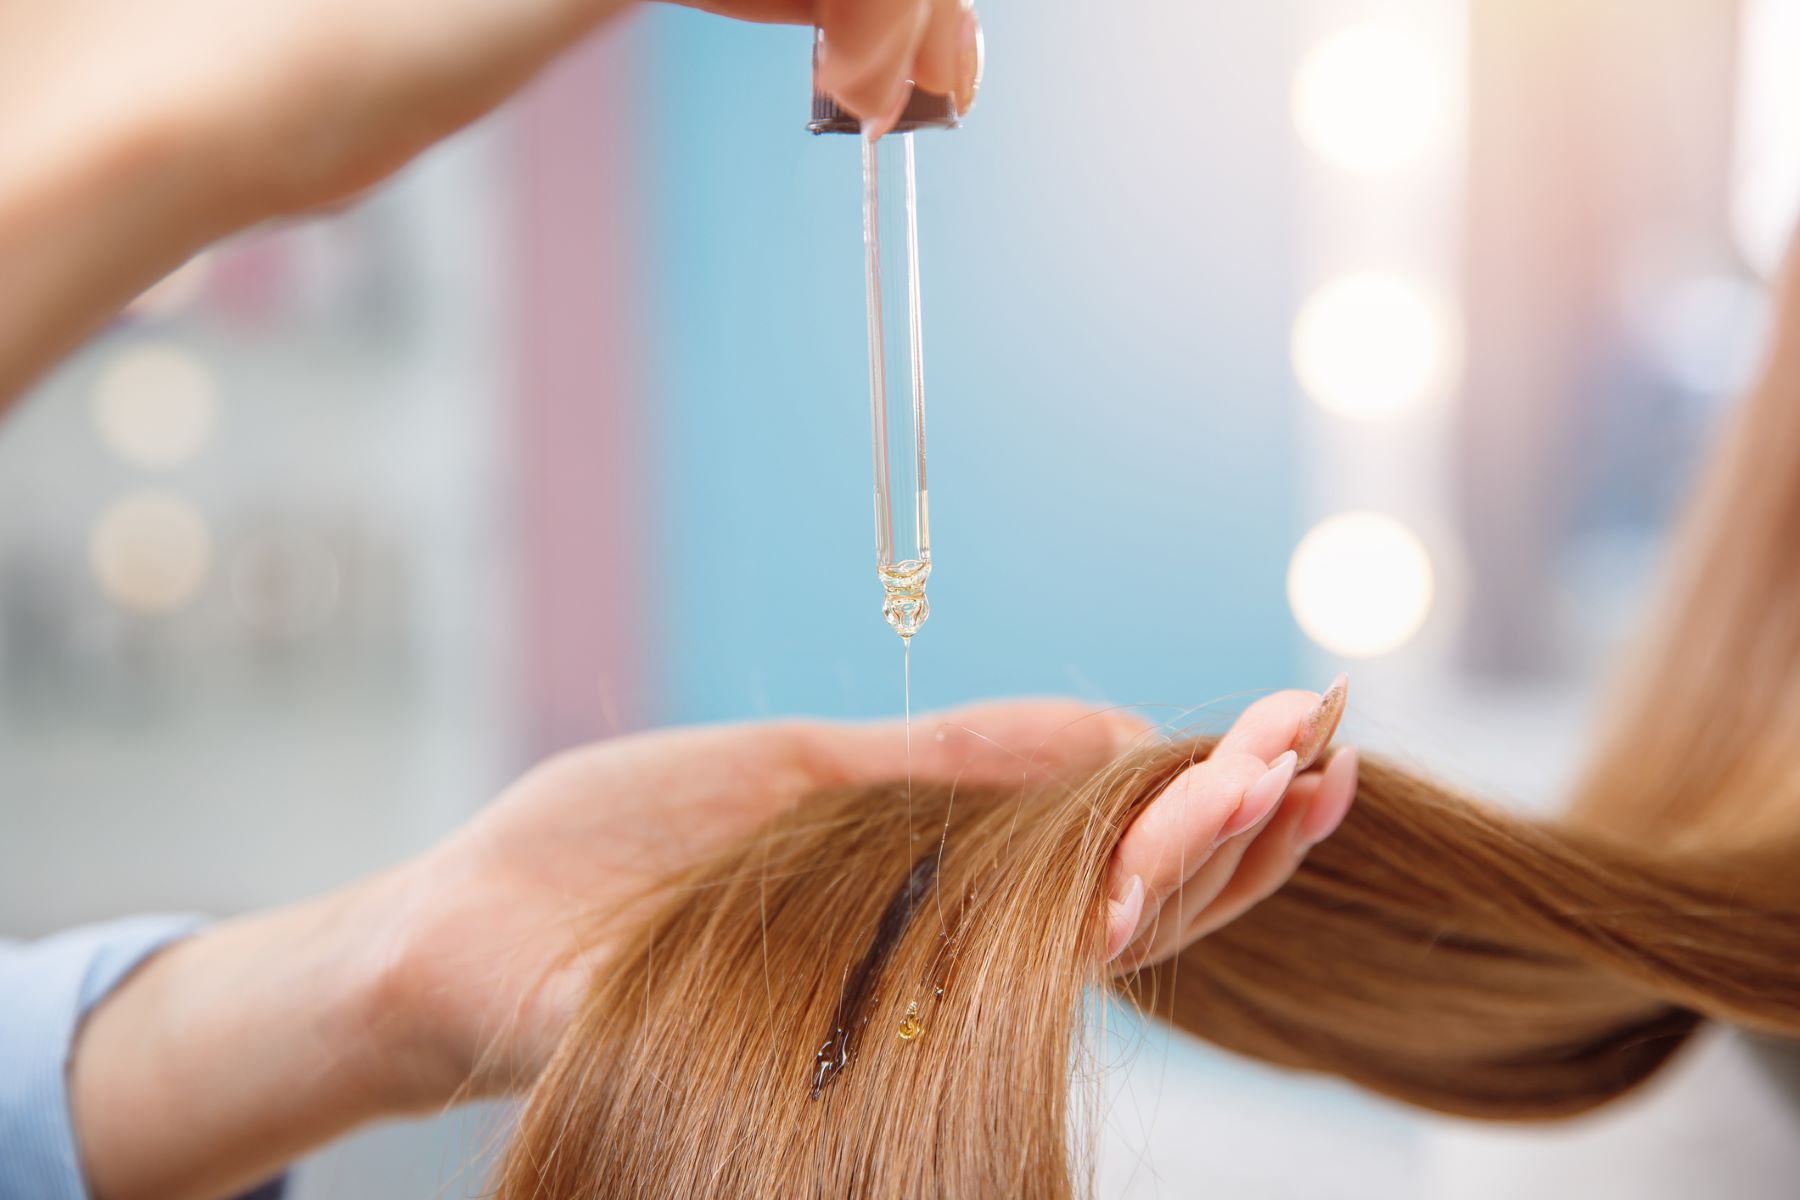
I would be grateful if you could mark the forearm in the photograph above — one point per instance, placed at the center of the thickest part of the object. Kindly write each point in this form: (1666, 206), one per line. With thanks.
(89, 217)
(232, 1053)
(132, 135)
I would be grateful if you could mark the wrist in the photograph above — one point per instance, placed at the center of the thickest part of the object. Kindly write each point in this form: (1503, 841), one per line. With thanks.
(394, 1006)
(465, 1003)
(353, 973)
(228, 1055)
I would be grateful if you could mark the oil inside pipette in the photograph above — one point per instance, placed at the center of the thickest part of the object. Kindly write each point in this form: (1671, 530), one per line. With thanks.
(904, 605)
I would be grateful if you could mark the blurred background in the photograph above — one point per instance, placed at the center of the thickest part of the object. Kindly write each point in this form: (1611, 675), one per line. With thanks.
(1264, 341)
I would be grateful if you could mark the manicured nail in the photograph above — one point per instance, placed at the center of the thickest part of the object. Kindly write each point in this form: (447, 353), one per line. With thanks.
(885, 125)
(825, 80)
(1122, 917)
(1318, 726)
(1262, 796)
(1336, 792)
(971, 60)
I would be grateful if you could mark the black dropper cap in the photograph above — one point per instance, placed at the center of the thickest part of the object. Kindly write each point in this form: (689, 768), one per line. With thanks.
(924, 110)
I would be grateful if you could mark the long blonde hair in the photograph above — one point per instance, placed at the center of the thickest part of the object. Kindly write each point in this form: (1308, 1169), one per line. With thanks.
(878, 994)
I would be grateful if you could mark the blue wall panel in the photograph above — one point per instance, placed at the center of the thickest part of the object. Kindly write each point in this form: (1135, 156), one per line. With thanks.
(1107, 286)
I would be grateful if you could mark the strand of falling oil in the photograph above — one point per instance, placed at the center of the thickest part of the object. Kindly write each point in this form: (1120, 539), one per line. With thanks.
(910, 1026)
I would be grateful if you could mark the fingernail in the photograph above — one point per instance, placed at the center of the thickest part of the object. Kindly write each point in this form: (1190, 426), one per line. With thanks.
(825, 80)
(1122, 917)
(971, 59)
(1336, 792)
(1322, 722)
(1262, 796)
(874, 130)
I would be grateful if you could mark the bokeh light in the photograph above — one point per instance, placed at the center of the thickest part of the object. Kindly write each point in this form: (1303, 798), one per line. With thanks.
(1370, 98)
(150, 552)
(1360, 584)
(154, 404)
(1765, 193)
(1371, 345)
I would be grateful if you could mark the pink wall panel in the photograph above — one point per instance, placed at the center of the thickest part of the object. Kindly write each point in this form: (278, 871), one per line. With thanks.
(584, 514)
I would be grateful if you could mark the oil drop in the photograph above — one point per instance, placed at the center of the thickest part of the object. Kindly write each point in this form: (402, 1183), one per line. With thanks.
(857, 1002)
(910, 1025)
(903, 603)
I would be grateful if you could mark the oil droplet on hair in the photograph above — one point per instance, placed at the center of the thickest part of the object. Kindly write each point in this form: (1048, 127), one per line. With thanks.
(910, 1025)
(858, 1001)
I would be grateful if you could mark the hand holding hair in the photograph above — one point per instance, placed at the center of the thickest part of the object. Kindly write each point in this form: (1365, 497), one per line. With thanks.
(458, 974)
(1231, 828)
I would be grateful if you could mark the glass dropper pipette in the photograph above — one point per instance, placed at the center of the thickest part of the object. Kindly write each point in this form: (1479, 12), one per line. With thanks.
(896, 351)
(902, 553)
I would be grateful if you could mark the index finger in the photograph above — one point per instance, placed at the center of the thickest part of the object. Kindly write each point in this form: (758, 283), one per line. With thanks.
(866, 51)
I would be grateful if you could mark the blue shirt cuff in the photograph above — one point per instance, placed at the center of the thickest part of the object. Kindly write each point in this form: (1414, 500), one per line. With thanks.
(46, 989)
